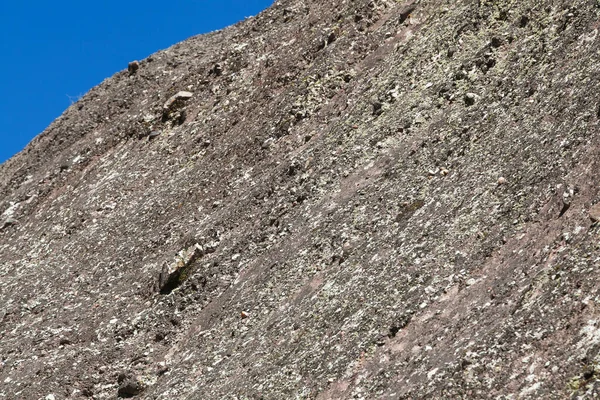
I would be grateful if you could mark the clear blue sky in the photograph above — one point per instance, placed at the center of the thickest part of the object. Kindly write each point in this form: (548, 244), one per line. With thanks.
(53, 50)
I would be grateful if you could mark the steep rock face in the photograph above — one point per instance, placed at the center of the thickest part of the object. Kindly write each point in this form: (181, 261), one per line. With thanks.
(360, 199)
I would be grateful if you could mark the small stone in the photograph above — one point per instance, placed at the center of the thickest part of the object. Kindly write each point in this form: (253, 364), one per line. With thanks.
(595, 213)
(501, 180)
(50, 397)
(244, 315)
(133, 67)
(444, 171)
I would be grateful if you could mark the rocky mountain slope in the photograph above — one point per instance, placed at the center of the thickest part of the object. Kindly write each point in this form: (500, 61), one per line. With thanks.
(367, 199)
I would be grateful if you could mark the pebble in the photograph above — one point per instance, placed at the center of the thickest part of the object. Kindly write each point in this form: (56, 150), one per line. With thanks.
(153, 134)
(501, 180)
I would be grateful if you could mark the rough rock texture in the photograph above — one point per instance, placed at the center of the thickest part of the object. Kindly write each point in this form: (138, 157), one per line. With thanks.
(392, 200)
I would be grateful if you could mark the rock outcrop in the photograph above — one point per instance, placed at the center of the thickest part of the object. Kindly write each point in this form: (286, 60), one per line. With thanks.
(367, 199)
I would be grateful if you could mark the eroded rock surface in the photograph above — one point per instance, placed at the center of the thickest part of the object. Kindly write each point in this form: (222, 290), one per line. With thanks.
(393, 200)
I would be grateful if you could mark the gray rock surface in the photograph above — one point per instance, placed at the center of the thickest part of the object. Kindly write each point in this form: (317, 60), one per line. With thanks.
(367, 231)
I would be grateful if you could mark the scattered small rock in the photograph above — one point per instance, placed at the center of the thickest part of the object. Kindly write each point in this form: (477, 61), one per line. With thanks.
(244, 315)
(501, 180)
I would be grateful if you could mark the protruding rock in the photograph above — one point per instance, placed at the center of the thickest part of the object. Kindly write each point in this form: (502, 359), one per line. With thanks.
(133, 67)
(471, 98)
(182, 117)
(595, 213)
(8, 222)
(153, 134)
(217, 70)
(174, 103)
(173, 100)
(176, 273)
(130, 387)
(379, 107)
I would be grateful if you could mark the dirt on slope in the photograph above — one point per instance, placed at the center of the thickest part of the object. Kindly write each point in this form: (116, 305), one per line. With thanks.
(332, 200)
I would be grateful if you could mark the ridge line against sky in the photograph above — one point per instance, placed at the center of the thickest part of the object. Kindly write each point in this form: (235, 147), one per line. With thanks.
(58, 51)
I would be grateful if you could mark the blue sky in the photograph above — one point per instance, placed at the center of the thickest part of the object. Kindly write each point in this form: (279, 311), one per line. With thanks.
(55, 51)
